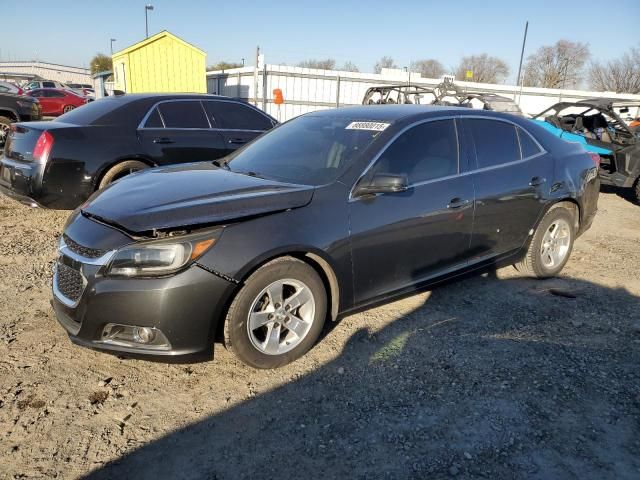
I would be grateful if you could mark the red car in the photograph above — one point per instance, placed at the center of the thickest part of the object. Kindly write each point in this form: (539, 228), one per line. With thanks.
(55, 101)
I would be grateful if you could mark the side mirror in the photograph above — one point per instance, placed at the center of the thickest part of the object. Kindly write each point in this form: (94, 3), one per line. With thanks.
(383, 183)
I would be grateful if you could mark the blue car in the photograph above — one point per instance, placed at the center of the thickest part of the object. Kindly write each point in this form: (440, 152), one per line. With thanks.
(597, 125)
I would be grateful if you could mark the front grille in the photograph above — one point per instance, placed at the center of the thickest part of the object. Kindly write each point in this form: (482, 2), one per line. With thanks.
(69, 282)
(82, 250)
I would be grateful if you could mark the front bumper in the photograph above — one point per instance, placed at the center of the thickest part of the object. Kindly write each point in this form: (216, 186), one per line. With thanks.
(185, 307)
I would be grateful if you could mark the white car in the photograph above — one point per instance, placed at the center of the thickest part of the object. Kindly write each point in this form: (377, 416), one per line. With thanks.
(44, 84)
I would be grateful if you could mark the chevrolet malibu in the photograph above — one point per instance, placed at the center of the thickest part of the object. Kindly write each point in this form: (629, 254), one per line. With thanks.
(327, 214)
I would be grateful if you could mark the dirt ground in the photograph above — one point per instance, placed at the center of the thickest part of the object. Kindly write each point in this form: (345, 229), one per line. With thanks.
(495, 376)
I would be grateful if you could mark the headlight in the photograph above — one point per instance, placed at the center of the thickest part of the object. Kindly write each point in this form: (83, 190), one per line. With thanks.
(161, 257)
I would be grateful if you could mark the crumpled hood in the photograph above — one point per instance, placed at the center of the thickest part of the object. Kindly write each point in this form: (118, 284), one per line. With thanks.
(189, 195)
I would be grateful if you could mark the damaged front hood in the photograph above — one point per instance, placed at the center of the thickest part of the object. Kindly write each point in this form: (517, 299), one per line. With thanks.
(190, 195)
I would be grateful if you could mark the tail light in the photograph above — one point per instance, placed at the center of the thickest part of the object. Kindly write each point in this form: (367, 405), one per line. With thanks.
(43, 147)
(596, 158)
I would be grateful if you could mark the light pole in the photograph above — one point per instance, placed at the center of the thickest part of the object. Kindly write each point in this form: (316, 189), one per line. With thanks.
(112, 40)
(243, 62)
(146, 18)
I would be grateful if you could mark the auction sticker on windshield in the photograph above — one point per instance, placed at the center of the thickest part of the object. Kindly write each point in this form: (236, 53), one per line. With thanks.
(375, 126)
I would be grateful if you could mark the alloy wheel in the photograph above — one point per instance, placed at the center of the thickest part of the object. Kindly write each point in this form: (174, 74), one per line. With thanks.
(281, 316)
(555, 243)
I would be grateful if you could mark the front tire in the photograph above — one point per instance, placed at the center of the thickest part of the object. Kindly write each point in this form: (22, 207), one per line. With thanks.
(277, 315)
(551, 245)
(5, 128)
(68, 108)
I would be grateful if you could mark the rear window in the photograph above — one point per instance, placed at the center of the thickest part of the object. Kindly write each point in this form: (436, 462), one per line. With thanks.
(496, 142)
(92, 112)
(236, 116)
(527, 145)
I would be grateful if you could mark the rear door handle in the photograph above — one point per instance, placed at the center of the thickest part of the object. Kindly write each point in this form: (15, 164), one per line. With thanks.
(238, 141)
(537, 181)
(457, 203)
(162, 140)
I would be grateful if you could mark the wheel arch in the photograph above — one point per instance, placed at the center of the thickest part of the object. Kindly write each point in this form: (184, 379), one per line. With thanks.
(315, 258)
(108, 166)
(9, 113)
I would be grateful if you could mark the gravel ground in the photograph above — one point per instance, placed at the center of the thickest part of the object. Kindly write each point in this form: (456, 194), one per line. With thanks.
(494, 376)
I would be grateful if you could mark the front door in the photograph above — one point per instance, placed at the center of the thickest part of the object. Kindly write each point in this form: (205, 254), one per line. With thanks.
(401, 239)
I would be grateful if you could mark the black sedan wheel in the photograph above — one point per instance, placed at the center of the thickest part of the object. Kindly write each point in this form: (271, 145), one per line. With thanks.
(551, 245)
(278, 314)
(120, 170)
(5, 128)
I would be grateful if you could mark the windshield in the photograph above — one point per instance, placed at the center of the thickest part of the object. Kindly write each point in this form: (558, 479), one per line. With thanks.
(308, 150)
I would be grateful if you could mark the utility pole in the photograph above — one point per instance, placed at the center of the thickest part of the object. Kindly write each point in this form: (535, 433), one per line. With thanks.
(146, 18)
(112, 40)
(255, 78)
(524, 41)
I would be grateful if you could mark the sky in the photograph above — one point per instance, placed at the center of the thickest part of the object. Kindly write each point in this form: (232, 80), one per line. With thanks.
(70, 33)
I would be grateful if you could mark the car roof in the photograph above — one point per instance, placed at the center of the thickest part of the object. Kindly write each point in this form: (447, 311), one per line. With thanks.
(393, 113)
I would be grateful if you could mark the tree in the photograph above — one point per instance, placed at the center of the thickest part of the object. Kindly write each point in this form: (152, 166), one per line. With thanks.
(384, 62)
(350, 67)
(621, 75)
(101, 63)
(556, 66)
(485, 69)
(223, 66)
(326, 64)
(429, 68)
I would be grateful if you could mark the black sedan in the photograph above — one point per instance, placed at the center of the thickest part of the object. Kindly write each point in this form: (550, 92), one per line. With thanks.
(59, 164)
(326, 214)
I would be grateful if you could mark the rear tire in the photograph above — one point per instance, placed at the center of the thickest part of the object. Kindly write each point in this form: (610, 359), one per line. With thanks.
(277, 315)
(120, 170)
(636, 191)
(551, 245)
(5, 128)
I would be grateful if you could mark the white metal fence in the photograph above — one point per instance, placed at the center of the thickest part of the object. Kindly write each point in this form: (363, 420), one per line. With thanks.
(306, 89)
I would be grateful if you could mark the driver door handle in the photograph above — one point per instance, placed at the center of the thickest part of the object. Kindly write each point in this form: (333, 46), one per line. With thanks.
(162, 140)
(238, 141)
(457, 203)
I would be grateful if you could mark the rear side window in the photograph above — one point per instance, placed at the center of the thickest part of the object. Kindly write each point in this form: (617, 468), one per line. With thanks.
(496, 142)
(236, 116)
(424, 152)
(48, 85)
(183, 115)
(154, 120)
(527, 145)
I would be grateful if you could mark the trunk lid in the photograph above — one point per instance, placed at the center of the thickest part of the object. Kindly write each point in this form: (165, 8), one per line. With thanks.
(24, 136)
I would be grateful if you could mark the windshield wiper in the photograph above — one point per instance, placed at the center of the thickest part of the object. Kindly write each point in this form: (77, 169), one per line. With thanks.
(222, 164)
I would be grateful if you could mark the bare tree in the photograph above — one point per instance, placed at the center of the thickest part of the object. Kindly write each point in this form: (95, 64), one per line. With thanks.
(350, 67)
(429, 68)
(485, 69)
(223, 66)
(326, 64)
(621, 75)
(556, 66)
(384, 62)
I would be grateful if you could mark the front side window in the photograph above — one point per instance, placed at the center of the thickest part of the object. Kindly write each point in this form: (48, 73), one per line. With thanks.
(183, 115)
(36, 93)
(48, 85)
(53, 94)
(236, 116)
(425, 152)
(496, 142)
(308, 150)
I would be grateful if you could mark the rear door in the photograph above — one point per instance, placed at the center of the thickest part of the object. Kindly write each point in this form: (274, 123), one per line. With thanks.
(177, 131)
(512, 177)
(239, 123)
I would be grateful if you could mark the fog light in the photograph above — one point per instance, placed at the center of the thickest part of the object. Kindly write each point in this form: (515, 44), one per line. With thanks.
(143, 334)
(135, 337)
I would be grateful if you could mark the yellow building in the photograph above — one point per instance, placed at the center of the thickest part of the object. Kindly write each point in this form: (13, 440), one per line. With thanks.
(161, 63)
